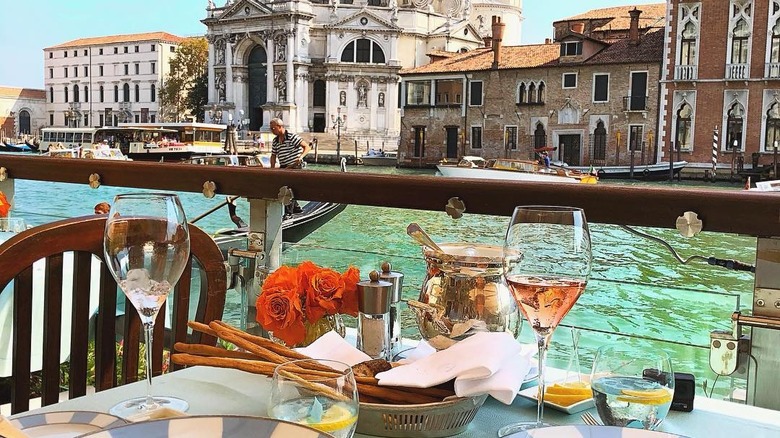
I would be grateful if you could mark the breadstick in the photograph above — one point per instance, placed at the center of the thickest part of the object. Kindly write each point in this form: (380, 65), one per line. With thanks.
(208, 350)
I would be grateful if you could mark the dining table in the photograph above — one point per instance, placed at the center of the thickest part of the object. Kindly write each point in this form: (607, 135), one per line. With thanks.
(226, 391)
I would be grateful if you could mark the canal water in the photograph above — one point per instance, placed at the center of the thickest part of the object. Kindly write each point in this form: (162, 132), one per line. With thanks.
(638, 294)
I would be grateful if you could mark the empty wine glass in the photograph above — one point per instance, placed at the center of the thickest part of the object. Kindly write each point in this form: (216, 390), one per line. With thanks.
(147, 245)
(547, 261)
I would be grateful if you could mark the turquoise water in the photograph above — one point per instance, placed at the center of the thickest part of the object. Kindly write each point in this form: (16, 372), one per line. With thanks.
(638, 293)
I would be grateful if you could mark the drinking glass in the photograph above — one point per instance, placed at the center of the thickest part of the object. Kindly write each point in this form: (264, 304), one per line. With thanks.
(147, 245)
(632, 387)
(325, 401)
(547, 261)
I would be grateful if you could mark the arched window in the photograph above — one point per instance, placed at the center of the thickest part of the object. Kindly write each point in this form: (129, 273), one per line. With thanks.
(66, 95)
(364, 51)
(772, 127)
(600, 142)
(688, 45)
(154, 93)
(51, 94)
(775, 55)
(75, 93)
(101, 93)
(532, 93)
(734, 128)
(126, 93)
(116, 93)
(522, 96)
(683, 137)
(24, 122)
(86, 93)
(318, 93)
(739, 42)
(137, 93)
(540, 136)
(541, 93)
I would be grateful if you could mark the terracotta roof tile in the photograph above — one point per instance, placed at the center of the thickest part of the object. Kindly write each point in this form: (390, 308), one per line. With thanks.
(482, 59)
(27, 93)
(653, 15)
(118, 39)
(441, 53)
(649, 49)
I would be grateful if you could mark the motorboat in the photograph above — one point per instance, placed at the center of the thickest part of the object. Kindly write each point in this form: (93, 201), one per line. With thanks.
(379, 158)
(98, 152)
(251, 160)
(513, 170)
(654, 172)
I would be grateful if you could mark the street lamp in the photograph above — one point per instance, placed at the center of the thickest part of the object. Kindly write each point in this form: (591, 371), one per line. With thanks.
(338, 121)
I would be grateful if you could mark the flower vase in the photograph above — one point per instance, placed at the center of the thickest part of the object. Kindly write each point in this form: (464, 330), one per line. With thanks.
(316, 329)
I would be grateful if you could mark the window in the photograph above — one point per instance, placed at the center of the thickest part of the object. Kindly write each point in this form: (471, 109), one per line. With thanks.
(363, 51)
(51, 73)
(154, 68)
(137, 68)
(522, 94)
(152, 118)
(75, 93)
(154, 48)
(600, 142)
(571, 48)
(772, 126)
(734, 128)
(51, 94)
(66, 53)
(137, 49)
(86, 120)
(475, 93)
(510, 138)
(476, 137)
(153, 93)
(51, 55)
(127, 69)
(137, 93)
(688, 45)
(100, 51)
(86, 71)
(683, 135)
(635, 134)
(101, 118)
(85, 52)
(419, 141)
(86, 93)
(100, 70)
(449, 91)
(51, 119)
(125, 49)
(739, 42)
(137, 118)
(101, 95)
(116, 50)
(126, 93)
(532, 93)
(542, 93)
(66, 94)
(116, 93)
(600, 87)
(570, 80)
(66, 71)
(418, 93)
(775, 51)
(75, 53)
(318, 93)
(75, 72)
(173, 48)
(540, 136)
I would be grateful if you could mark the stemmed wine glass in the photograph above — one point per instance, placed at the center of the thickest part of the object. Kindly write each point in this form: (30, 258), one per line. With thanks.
(147, 245)
(547, 260)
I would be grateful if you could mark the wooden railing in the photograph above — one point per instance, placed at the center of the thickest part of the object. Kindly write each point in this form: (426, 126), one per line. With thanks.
(731, 211)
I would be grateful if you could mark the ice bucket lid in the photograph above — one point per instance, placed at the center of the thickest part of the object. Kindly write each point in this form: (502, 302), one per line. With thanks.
(464, 252)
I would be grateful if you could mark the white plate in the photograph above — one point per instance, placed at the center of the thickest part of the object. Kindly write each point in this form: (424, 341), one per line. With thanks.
(530, 393)
(66, 424)
(211, 427)
(583, 431)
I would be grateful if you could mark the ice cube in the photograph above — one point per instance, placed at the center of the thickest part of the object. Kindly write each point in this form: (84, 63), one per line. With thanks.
(138, 279)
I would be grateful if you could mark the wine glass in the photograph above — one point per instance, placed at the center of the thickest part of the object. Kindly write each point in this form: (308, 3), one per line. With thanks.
(147, 245)
(632, 387)
(547, 260)
(325, 400)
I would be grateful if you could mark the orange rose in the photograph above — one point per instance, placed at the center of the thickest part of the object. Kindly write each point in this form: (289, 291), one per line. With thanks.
(279, 306)
(349, 298)
(324, 292)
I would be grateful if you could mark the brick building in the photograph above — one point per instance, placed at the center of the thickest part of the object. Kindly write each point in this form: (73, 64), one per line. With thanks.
(731, 84)
(592, 95)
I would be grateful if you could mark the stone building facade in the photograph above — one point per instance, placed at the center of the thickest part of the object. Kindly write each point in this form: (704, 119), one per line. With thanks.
(588, 101)
(22, 111)
(322, 65)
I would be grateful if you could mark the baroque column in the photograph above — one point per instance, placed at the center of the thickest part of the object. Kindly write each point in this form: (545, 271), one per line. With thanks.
(211, 91)
(269, 67)
(372, 105)
(290, 81)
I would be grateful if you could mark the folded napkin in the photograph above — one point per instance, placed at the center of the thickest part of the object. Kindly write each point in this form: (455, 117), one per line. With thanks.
(332, 346)
(8, 430)
(484, 363)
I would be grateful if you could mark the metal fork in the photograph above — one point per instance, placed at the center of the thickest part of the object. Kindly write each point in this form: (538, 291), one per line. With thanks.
(589, 419)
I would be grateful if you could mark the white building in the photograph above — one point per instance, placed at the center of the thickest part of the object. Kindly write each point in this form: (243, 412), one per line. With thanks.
(101, 81)
(22, 111)
(334, 60)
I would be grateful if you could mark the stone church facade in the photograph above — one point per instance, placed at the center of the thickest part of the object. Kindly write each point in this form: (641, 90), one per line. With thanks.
(323, 63)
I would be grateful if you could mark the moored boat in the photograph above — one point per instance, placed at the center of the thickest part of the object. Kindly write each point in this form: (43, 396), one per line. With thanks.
(513, 170)
(658, 171)
(379, 158)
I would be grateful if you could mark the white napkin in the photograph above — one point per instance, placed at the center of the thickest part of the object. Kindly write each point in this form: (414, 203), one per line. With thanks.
(486, 362)
(332, 346)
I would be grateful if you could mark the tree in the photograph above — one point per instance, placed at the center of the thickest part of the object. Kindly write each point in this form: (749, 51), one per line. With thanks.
(185, 89)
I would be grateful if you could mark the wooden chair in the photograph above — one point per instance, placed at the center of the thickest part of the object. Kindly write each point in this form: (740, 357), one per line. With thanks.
(84, 237)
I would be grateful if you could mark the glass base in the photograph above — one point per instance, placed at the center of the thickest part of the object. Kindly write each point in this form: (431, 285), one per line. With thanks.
(138, 406)
(519, 427)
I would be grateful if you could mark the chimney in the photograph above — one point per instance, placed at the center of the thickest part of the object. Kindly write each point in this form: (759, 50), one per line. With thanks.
(488, 41)
(498, 35)
(633, 31)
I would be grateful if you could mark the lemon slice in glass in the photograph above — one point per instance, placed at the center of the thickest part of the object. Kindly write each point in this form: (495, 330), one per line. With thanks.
(335, 418)
(648, 397)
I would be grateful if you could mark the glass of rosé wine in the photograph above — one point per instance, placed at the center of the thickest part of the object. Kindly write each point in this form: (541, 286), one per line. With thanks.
(547, 261)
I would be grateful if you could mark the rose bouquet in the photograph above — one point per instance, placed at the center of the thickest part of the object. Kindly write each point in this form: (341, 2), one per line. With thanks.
(293, 298)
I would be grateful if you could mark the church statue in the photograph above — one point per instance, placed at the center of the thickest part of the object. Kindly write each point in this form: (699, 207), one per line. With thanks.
(362, 95)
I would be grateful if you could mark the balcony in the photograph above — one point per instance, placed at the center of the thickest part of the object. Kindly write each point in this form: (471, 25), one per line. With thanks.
(772, 70)
(634, 103)
(737, 71)
(685, 72)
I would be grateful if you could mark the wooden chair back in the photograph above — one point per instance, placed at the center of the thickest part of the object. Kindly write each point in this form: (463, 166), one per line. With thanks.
(84, 237)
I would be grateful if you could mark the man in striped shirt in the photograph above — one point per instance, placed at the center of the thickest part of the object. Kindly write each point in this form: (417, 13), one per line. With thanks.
(288, 148)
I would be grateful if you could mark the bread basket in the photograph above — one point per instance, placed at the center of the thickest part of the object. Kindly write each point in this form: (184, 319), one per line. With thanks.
(445, 418)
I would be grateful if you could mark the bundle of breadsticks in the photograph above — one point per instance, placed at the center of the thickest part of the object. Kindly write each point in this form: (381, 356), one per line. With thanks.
(261, 356)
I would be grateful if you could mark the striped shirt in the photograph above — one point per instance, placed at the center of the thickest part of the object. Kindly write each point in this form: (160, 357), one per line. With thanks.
(288, 150)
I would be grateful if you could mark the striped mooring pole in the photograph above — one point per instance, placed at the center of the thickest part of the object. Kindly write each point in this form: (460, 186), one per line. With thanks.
(715, 143)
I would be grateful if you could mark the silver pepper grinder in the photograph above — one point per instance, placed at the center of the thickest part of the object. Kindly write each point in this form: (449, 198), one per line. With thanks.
(373, 327)
(397, 279)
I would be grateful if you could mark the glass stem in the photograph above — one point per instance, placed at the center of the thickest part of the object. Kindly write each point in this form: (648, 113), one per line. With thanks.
(148, 334)
(542, 341)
